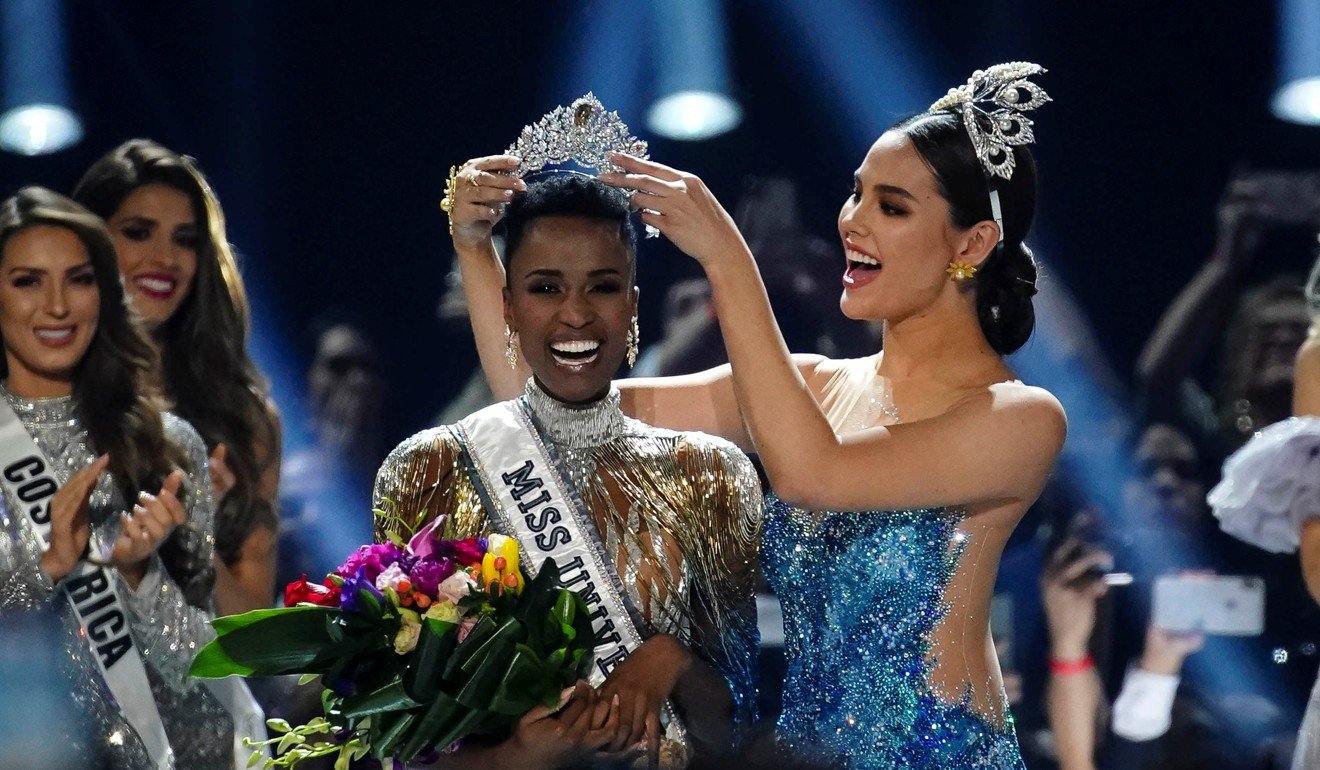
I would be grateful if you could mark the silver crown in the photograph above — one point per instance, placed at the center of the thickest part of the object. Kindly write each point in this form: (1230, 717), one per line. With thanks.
(994, 131)
(582, 132)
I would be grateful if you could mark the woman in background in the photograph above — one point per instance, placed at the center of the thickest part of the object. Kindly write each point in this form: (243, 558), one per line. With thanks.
(183, 280)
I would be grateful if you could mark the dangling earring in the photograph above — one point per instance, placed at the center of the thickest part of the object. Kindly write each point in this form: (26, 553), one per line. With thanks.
(511, 347)
(960, 271)
(634, 337)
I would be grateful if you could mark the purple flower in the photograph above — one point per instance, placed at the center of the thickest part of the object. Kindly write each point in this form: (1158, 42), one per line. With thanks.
(348, 596)
(373, 558)
(428, 574)
(423, 543)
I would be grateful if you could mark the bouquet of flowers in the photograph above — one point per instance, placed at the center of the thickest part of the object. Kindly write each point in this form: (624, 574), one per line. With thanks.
(416, 645)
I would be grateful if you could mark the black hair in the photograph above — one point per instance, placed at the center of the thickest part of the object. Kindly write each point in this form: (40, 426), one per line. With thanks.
(1006, 280)
(568, 195)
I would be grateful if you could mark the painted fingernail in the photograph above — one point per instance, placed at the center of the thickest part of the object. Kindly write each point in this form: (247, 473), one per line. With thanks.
(563, 696)
(508, 193)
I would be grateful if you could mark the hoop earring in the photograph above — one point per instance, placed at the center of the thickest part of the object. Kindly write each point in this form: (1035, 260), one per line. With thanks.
(634, 337)
(511, 347)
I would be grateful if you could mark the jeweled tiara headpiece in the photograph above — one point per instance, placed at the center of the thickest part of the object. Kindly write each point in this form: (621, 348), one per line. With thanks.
(993, 131)
(1000, 125)
(582, 133)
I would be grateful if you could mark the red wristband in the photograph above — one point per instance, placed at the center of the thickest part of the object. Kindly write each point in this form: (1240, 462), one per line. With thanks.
(1068, 667)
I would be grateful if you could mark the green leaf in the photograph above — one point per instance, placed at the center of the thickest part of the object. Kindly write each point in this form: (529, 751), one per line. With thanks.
(390, 697)
(307, 679)
(289, 640)
(392, 729)
(278, 725)
(287, 742)
(255, 758)
(437, 642)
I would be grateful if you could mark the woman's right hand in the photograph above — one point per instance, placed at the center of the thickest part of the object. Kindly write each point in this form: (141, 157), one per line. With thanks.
(546, 738)
(69, 527)
(480, 192)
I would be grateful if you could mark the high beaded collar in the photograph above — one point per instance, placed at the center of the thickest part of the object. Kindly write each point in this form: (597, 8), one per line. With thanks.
(40, 410)
(579, 427)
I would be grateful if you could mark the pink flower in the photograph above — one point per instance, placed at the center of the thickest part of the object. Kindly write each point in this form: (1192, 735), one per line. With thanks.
(465, 628)
(371, 559)
(422, 544)
(455, 587)
(466, 552)
(390, 577)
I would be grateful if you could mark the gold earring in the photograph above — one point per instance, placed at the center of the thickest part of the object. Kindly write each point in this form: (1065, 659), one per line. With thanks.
(634, 337)
(960, 271)
(511, 347)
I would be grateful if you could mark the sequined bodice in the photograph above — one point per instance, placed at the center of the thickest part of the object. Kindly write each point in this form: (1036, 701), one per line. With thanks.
(862, 594)
(166, 629)
(676, 514)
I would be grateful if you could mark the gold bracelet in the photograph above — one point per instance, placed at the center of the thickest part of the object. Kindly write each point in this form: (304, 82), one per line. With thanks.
(447, 202)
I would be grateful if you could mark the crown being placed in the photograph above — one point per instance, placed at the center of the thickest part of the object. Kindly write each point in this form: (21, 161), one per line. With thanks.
(994, 131)
(582, 132)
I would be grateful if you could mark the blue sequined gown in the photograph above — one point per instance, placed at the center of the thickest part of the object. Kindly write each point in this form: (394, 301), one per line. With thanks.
(886, 636)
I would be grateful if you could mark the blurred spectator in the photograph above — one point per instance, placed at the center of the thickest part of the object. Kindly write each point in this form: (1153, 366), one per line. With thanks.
(1260, 329)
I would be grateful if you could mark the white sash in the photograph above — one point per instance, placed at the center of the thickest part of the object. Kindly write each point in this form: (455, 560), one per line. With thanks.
(528, 497)
(91, 590)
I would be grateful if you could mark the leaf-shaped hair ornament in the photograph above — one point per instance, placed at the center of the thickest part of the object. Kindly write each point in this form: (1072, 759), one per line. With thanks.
(993, 132)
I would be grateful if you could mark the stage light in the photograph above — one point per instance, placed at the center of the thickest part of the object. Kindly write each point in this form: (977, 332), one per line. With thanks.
(36, 119)
(693, 115)
(37, 129)
(1298, 98)
(1299, 101)
(692, 72)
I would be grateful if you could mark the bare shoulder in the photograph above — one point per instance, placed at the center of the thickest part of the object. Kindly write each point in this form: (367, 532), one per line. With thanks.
(1017, 408)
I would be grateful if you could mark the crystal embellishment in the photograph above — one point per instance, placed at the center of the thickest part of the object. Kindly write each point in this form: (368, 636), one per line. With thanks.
(582, 132)
(994, 131)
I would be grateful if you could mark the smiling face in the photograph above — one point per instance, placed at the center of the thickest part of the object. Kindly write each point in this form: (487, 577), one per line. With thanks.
(49, 308)
(571, 300)
(155, 231)
(897, 235)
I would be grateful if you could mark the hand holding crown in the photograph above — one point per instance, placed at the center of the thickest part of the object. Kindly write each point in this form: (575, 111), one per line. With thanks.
(680, 206)
(475, 194)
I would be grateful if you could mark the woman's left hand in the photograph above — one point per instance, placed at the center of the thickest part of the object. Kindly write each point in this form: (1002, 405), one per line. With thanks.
(679, 205)
(154, 518)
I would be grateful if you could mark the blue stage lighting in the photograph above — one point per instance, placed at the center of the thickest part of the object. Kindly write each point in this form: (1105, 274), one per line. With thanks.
(36, 117)
(37, 129)
(1298, 97)
(692, 72)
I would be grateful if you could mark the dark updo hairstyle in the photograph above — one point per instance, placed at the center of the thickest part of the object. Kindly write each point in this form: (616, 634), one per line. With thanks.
(109, 382)
(207, 373)
(568, 194)
(1006, 280)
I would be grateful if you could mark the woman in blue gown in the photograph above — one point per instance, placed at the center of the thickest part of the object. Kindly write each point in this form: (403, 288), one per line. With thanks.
(899, 476)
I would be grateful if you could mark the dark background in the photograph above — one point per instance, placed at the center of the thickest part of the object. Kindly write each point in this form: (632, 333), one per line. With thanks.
(327, 129)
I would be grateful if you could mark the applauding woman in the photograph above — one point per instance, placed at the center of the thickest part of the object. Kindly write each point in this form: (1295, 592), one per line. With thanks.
(184, 283)
(77, 418)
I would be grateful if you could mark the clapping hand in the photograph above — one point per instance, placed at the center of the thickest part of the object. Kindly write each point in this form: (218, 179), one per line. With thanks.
(69, 527)
(153, 519)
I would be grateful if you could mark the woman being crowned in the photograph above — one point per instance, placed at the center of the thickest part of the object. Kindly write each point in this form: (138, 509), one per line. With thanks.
(656, 529)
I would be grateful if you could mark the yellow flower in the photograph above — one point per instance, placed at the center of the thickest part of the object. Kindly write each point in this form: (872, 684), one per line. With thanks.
(445, 611)
(960, 270)
(500, 564)
(410, 630)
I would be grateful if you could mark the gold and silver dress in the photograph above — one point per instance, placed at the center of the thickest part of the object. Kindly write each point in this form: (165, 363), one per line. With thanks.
(166, 627)
(680, 514)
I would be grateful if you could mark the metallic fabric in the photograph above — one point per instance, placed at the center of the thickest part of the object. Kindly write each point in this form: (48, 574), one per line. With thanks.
(165, 627)
(681, 512)
(885, 622)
